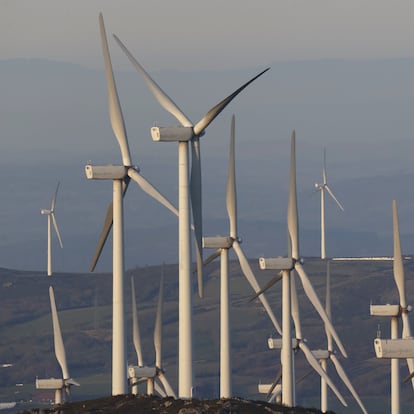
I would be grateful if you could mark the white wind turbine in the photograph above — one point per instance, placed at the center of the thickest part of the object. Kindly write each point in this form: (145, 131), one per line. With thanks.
(287, 265)
(322, 188)
(187, 132)
(149, 374)
(120, 176)
(329, 355)
(222, 246)
(60, 385)
(395, 312)
(51, 218)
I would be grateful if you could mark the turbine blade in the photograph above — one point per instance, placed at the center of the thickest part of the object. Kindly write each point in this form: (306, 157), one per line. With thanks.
(213, 112)
(398, 262)
(311, 294)
(57, 337)
(245, 266)
(115, 112)
(292, 203)
(135, 326)
(267, 286)
(328, 304)
(170, 392)
(342, 374)
(231, 196)
(274, 383)
(52, 207)
(333, 197)
(158, 324)
(324, 167)
(163, 99)
(56, 229)
(212, 257)
(196, 207)
(295, 306)
(151, 190)
(160, 389)
(316, 366)
(106, 228)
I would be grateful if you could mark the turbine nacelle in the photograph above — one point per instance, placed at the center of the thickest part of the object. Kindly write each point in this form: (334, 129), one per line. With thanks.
(46, 212)
(277, 263)
(105, 172)
(276, 343)
(394, 348)
(174, 133)
(217, 242)
(135, 372)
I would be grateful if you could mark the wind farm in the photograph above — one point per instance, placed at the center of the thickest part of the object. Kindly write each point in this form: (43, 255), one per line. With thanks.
(191, 331)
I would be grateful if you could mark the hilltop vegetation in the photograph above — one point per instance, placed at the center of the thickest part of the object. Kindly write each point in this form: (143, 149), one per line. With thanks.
(84, 306)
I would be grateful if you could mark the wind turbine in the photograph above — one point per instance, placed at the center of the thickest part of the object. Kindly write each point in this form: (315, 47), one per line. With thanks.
(322, 188)
(287, 265)
(60, 385)
(222, 245)
(187, 132)
(139, 373)
(51, 218)
(120, 176)
(398, 348)
(329, 355)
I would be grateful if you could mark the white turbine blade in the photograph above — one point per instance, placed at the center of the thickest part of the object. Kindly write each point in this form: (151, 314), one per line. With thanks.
(56, 229)
(163, 99)
(342, 374)
(196, 207)
(231, 196)
(311, 294)
(151, 190)
(115, 112)
(328, 304)
(170, 392)
(52, 207)
(201, 125)
(295, 306)
(292, 203)
(245, 266)
(106, 227)
(160, 389)
(398, 262)
(324, 167)
(313, 362)
(212, 257)
(57, 337)
(135, 326)
(267, 286)
(158, 324)
(333, 197)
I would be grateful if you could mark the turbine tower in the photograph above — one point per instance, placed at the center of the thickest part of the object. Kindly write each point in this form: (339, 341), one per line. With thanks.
(51, 218)
(289, 309)
(185, 134)
(120, 176)
(222, 245)
(60, 385)
(322, 188)
(396, 349)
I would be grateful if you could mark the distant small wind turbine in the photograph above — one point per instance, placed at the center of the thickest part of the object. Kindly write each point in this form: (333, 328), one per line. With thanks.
(51, 218)
(149, 374)
(322, 188)
(60, 385)
(325, 355)
(222, 245)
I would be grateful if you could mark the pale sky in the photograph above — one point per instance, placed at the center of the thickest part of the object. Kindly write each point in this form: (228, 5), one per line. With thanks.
(208, 34)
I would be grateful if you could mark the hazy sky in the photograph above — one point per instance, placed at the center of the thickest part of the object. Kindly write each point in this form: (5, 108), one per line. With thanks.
(208, 34)
(54, 118)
